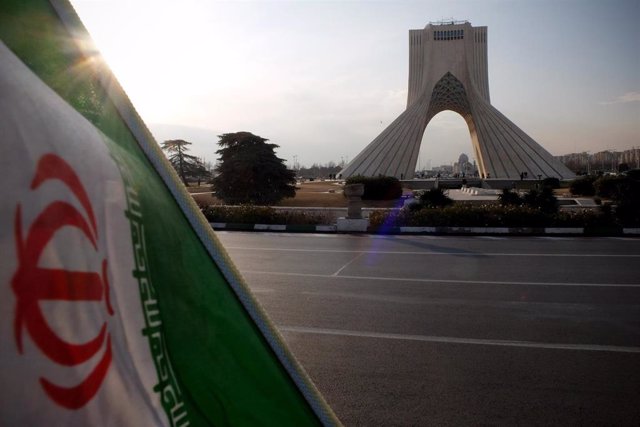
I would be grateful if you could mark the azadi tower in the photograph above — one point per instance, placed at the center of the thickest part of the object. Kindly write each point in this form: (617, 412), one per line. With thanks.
(448, 71)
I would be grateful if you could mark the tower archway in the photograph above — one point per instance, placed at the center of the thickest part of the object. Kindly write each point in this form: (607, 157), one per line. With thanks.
(445, 138)
(448, 71)
(449, 94)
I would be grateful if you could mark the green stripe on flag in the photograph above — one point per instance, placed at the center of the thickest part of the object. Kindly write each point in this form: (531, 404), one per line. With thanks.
(229, 363)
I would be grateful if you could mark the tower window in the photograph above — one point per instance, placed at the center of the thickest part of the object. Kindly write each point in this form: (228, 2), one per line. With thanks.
(450, 35)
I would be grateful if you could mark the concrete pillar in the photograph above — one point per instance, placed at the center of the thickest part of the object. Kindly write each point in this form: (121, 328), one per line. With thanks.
(354, 194)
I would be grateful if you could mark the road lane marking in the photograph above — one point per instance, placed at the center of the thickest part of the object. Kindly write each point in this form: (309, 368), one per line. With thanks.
(455, 340)
(624, 239)
(472, 254)
(348, 264)
(422, 280)
(261, 290)
(556, 309)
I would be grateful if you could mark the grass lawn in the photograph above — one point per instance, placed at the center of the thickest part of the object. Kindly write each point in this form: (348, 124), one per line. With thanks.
(324, 194)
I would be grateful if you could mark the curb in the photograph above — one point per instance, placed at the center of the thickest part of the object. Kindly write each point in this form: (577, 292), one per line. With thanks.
(473, 231)
(274, 227)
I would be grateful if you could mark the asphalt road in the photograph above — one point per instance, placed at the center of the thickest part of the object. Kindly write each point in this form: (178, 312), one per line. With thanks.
(428, 330)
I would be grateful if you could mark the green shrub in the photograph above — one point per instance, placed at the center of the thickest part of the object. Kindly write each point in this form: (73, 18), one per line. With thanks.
(628, 215)
(487, 216)
(381, 218)
(378, 188)
(633, 174)
(249, 214)
(301, 218)
(624, 191)
(509, 198)
(543, 200)
(583, 186)
(626, 195)
(621, 189)
(608, 187)
(462, 216)
(581, 218)
(434, 198)
(551, 182)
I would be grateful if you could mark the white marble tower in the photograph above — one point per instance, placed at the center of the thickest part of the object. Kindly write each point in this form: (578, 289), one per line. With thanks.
(448, 71)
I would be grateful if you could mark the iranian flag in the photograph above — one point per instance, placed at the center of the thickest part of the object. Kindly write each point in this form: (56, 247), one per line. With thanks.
(118, 305)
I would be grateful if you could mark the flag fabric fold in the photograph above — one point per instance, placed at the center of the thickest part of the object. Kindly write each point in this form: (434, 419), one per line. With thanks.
(119, 306)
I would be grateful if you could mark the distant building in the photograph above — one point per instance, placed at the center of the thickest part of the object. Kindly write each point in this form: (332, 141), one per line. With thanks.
(603, 161)
(463, 167)
(444, 169)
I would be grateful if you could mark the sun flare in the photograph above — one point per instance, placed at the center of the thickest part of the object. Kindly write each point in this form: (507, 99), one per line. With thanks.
(159, 52)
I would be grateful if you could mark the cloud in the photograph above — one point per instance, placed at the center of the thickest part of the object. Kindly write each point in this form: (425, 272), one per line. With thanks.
(623, 99)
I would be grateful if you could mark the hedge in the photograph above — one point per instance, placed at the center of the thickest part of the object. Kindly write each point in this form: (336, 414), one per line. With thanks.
(494, 216)
(248, 214)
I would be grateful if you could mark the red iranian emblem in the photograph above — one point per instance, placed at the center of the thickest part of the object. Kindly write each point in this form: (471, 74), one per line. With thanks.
(33, 284)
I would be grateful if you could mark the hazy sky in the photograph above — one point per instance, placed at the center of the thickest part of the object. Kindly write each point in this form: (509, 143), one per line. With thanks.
(323, 78)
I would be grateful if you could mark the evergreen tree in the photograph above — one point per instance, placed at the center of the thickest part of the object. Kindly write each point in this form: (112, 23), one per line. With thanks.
(435, 198)
(186, 165)
(508, 197)
(543, 200)
(250, 172)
